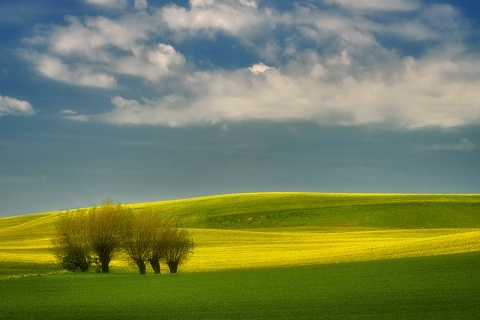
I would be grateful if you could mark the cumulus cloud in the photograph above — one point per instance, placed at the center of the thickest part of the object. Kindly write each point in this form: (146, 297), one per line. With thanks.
(15, 107)
(92, 38)
(54, 68)
(151, 64)
(259, 68)
(339, 63)
(95, 50)
(262, 93)
(235, 17)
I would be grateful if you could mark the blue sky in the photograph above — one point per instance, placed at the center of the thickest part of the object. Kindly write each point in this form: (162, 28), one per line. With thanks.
(152, 100)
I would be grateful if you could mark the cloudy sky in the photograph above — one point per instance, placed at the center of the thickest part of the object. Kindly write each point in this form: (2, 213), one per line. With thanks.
(146, 100)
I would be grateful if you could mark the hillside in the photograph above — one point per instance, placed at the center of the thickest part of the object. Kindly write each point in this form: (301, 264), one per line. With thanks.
(267, 210)
(282, 209)
(273, 229)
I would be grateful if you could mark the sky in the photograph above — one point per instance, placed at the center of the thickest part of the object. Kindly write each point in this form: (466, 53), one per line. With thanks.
(147, 100)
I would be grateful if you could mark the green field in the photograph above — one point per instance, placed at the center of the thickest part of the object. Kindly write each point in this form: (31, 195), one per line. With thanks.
(440, 287)
(269, 255)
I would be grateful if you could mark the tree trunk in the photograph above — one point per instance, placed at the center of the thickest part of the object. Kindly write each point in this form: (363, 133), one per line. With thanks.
(155, 263)
(105, 261)
(173, 266)
(105, 268)
(142, 268)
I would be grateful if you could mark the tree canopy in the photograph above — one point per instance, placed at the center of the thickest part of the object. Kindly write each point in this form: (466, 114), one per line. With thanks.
(98, 233)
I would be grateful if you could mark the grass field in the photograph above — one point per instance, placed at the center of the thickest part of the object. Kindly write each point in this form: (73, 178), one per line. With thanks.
(275, 255)
(279, 210)
(439, 287)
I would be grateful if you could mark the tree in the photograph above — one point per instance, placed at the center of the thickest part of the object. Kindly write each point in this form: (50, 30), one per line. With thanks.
(140, 238)
(148, 238)
(106, 229)
(165, 233)
(71, 243)
(180, 246)
(107, 224)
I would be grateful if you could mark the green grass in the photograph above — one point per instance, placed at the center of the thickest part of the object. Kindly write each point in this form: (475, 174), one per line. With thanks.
(293, 209)
(290, 209)
(441, 287)
(16, 268)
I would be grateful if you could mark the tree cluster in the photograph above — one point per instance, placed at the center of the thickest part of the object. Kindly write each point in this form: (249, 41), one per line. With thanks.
(86, 237)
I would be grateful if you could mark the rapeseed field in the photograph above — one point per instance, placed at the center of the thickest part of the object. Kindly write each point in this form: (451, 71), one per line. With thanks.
(283, 229)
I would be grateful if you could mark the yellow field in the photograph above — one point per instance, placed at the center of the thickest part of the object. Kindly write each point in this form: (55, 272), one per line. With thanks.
(219, 249)
(227, 249)
(283, 229)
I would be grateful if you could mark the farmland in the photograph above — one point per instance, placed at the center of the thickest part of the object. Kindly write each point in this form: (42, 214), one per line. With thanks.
(281, 229)
(438, 287)
(287, 255)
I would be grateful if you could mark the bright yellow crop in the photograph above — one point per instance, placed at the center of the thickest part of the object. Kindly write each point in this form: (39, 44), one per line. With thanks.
(220, 249)
(227, 249)
(299, 228)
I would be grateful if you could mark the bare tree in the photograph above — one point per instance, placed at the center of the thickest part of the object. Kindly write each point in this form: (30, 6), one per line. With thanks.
(107, 225)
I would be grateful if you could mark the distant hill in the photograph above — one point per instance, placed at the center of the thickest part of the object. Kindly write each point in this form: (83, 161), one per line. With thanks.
(292, 209)
(267, 210)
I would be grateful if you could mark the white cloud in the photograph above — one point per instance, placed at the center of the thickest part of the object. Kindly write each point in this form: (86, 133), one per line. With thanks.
(91, 51)
(209, 16)
(421, 94)
(365, 27)
(68, 112)
(327, 65)
(54, 68)
(151, 63)
(249, 3)
(231, 3)
(92, 37)
(73, 115)
(378, 5)
(15, 107)
(108, 3)
(201, 3)
(259, 68)
(165, 111)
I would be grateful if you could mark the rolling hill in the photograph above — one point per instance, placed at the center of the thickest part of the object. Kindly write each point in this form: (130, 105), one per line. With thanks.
(281, 229)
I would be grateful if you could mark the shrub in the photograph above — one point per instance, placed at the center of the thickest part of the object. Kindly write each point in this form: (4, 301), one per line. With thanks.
(75, 260)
